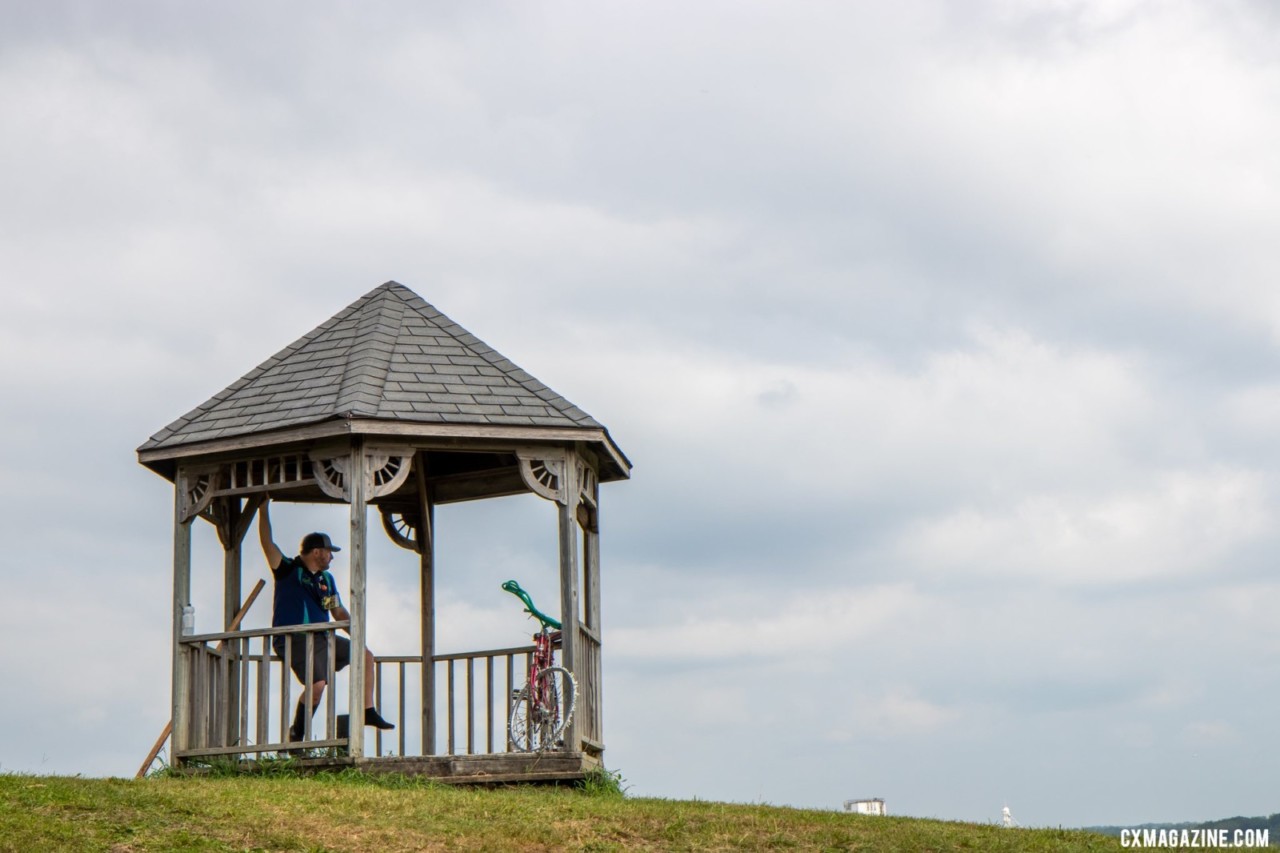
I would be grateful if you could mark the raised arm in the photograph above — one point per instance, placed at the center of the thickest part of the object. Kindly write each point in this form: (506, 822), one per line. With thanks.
(269, 548)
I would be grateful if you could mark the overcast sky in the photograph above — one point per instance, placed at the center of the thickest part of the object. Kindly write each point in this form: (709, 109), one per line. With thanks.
(944, 338)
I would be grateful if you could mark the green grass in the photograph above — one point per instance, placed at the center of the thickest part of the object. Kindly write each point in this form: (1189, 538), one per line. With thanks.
(349, 812)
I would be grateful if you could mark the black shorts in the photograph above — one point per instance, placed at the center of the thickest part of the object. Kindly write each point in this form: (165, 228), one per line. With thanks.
(320, 663)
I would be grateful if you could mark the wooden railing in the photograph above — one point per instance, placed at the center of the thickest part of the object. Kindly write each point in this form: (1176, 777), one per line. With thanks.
(472, 705)
(231, 703)
(239, 703)
(589, 707)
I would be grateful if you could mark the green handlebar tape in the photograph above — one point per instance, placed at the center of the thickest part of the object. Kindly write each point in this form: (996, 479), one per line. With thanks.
(514, 588)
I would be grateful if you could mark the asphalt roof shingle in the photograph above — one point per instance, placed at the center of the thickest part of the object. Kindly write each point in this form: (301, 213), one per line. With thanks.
(390, 356)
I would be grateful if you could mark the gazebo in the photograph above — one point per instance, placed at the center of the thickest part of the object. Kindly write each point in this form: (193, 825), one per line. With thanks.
(389, 405)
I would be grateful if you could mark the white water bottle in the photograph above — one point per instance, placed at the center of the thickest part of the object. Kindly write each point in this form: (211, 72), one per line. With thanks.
(188, 619)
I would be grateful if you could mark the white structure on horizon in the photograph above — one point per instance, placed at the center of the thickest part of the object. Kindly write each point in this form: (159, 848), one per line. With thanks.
(1006, 817)
(873, 807)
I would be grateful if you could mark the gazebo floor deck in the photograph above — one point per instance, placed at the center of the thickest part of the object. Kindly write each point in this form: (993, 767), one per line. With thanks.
(495, 769)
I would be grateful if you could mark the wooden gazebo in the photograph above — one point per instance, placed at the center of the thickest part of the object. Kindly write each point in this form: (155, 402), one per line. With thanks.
(389, 405)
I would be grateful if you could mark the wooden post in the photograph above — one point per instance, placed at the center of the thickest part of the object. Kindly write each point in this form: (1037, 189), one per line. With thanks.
(231, 568)
(427, 555)
(180, 703)
(591, 577)
(568, 513)
(356, 604)
(232, 522)
(231, 562)
(591, 580)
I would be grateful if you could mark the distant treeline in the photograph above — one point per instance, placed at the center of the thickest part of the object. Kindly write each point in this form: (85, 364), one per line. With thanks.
(1272, 824)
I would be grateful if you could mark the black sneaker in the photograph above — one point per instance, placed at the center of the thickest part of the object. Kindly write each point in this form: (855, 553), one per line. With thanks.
(298, 751)
(373, 718)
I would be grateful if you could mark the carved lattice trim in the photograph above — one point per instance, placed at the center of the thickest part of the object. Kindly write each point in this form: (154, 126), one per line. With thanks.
(387, 472)
(384, 472)
(399, 528)
(199, 484)
(332, 475)
(543, 476)
(588, 484)
(279, 470)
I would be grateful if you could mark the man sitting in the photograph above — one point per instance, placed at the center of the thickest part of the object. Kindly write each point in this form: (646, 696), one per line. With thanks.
(305, 594)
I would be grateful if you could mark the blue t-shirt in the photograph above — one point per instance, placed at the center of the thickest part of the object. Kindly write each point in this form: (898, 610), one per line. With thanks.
(302, 598)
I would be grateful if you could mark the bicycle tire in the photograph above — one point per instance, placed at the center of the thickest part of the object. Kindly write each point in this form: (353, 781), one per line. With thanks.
(537, 728)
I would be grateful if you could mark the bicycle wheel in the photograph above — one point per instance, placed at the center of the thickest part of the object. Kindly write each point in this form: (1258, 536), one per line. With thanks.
(539, 716)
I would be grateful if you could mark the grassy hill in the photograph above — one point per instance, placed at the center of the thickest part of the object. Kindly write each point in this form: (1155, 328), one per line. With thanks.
(352, 813)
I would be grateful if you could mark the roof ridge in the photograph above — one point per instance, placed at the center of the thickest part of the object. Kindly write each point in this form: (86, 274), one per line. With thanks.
(509, 369)
(369, 357)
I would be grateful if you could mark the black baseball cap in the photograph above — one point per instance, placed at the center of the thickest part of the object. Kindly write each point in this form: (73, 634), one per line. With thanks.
(317, 540)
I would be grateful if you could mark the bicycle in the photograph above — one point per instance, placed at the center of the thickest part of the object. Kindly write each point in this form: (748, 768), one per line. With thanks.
(543, 707)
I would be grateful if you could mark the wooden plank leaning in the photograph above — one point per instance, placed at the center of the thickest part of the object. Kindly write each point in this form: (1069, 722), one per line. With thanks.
(168, 727)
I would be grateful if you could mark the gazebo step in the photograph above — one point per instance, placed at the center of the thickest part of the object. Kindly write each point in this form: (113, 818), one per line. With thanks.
(499, 769)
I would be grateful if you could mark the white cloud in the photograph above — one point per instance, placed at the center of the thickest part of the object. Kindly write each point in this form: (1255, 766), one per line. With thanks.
(1179, 525)
(899, 713)
(1209, 732)
(1000, 414)
(742, 625)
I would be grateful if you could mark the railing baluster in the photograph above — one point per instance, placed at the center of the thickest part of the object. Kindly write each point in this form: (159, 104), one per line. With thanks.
(221, 693)
(488, 704)
(449, 712)
(262, 701)
(197, 723)
(401, 721)
(202, 670)
(506, 705)
(206, 698)
(471, 706)
(331, 707)
(242, 667)
(377, 681)
(192, 700)
(211, 710)
(310, 660)
(285, 685)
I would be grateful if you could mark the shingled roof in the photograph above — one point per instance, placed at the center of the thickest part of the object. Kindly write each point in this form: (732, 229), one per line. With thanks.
(388, 356)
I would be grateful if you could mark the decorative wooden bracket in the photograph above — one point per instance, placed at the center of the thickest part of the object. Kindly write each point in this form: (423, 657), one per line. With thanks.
(198, 488)
(544, 475)
(387, 470)
(384, 472)
(588, 497)
(543, 472)
(405, 528)
(588, 483)
(400, 528)
(331, 475)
